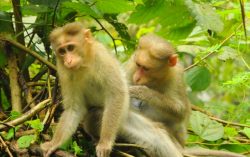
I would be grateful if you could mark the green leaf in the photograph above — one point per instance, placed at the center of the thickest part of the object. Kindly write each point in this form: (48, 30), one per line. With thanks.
(34, 9)
(177, 33)
(246, 131)
(227, 53)
(76, 148)
(14, 115)
(36, 124)
(3, 59)
(198, 78)
(81, 8)
(10, 134)
(145, 13)
(5, 5)
(230, 132)
(25, 141)
(5, 103)
(206, 128)
(6, 22)
(48, 3)
(206, 16)
(114, 6)
(241, 80)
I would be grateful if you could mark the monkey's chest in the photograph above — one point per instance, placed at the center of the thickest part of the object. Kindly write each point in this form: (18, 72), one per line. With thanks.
(94, 94)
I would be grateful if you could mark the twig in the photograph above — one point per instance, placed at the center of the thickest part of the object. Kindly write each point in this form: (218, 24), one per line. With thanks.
(141, 149)
(54, 14)
(217, 119)
(25, 49)
(217, 144)
(127, 145)
(5, 147)
(27, 115)
(103, 28)
(187, 155)
(209, 54)
(123, 153)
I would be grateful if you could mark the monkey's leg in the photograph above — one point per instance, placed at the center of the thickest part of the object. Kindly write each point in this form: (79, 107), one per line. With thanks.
(156, 141)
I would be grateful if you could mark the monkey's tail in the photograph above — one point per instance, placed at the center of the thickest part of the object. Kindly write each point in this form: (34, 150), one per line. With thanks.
(210, 153)
(156, 142)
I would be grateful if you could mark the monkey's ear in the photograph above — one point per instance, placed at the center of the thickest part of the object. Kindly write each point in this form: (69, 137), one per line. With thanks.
(88, 35)
(172, 60)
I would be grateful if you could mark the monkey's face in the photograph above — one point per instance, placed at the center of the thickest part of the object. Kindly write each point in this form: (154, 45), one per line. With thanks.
(148, 68)
(70, 54)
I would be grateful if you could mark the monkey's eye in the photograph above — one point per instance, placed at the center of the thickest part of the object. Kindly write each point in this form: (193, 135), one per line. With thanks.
(61, 51)
(138, 65)
(146, 69)
(70, 47)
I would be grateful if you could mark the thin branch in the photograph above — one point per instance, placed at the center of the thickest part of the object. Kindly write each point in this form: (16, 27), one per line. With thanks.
(54, 14)
(103, 28)
(210, 53)
(6, 147)
(27, 50)
(217, 144)
(120, 153)
(211, 116)
(28, 114)
(127, 145)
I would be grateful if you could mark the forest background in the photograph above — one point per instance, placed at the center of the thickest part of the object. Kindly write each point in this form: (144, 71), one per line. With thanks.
(210, 36)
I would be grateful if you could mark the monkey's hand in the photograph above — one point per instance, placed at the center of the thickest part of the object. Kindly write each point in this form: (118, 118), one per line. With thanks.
(48, 148)
(138, 104)
(139, 92)
(103, 149)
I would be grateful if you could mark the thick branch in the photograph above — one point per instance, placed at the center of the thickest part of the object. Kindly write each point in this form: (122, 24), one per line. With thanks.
(14, 85)
(27, 115)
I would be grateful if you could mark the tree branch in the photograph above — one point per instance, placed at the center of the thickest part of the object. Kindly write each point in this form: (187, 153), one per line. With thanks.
(210, 53)
(27, 115)
(27, 50)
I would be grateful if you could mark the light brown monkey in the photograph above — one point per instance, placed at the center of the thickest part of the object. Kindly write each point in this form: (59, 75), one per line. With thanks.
(157, 81)
(158, 90)
(89, 76)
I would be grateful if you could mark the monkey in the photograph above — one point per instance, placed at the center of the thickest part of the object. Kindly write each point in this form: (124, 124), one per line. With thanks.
(91, 82)
(158, 90)
(157, 80)
(89, 76)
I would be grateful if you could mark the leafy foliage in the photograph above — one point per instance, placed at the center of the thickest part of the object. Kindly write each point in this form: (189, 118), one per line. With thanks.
(207, 33)
(198, 78)
(206, 128)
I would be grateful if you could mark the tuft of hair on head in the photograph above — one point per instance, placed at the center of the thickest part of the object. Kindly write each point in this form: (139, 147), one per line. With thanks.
(72, 28)
(160, 47)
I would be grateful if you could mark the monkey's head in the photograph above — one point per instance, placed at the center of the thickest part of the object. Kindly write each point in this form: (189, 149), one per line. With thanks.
(70, 44)
(153, 58)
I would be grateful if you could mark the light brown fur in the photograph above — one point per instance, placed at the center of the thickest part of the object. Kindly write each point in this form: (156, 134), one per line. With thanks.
(161, 87)
(89, 77)
(158, 90)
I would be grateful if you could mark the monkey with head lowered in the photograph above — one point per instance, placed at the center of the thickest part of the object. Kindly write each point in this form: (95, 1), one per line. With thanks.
(158, 90)
(92, 86)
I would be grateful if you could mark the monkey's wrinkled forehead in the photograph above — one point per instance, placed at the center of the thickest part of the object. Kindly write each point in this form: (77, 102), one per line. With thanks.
(70, 29)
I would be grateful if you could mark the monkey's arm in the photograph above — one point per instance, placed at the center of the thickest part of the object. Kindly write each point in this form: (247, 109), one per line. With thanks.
(114, 111)
(67, 125)
(166, 102)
